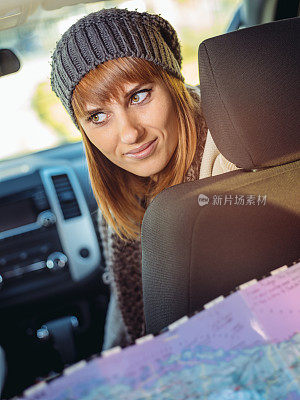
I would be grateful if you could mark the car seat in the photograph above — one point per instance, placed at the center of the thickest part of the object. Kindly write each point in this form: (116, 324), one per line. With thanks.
(202, 239)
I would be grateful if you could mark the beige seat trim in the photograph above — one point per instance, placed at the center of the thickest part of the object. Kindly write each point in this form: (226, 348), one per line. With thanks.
(213, 162)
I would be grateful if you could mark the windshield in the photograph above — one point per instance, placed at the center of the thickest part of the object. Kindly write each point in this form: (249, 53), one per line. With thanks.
(32, 118)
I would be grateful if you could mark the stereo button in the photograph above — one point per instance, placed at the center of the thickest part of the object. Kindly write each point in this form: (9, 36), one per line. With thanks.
(56, 261)
(46, 218)
(84, 252)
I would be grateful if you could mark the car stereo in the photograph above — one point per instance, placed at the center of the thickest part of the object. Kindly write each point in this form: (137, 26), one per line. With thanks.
(46, 231)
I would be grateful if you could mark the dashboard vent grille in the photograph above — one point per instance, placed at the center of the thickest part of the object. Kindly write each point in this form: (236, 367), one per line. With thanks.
(66, 196)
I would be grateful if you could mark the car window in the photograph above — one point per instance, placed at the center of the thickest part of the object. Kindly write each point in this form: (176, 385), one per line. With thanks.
(32, 118)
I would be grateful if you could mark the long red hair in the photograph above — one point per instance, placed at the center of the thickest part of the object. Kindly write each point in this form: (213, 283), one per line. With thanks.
(121, 195)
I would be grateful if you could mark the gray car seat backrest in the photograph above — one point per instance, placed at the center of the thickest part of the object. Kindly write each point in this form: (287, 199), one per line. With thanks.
(202, 239)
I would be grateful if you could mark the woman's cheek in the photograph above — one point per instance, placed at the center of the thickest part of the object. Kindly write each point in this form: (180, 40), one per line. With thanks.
(163, 113)
(107, 145)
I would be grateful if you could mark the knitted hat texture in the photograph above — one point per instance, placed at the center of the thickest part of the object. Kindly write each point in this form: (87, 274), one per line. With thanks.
(109, 34)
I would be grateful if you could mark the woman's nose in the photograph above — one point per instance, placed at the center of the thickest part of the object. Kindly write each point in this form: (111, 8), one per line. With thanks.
(130, 129)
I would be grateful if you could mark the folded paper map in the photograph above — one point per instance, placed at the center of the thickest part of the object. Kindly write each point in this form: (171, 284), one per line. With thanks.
(243, 347)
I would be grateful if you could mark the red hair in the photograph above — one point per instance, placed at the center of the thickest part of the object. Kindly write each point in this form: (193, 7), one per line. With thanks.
(114, 188)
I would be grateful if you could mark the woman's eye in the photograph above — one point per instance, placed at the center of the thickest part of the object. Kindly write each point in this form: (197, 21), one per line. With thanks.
(139, 97)
(98, 118)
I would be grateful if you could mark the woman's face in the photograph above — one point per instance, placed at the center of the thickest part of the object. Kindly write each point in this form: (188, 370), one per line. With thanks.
(142, 116)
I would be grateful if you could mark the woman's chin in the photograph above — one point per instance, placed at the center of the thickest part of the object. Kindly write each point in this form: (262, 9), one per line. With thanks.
(150, 172)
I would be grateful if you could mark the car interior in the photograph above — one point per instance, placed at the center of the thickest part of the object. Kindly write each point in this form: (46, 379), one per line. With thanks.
(53, 288)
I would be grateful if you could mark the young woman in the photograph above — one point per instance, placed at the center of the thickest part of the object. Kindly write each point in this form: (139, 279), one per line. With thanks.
(117, 72)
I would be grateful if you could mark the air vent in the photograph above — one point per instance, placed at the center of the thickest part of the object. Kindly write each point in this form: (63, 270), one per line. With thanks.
(66, 196)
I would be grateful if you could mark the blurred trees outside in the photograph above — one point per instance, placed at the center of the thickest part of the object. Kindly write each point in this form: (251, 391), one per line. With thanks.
(51, 112)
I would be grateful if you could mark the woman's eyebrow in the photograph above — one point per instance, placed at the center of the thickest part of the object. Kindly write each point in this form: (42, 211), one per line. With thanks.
(134, 89)
(92, 111)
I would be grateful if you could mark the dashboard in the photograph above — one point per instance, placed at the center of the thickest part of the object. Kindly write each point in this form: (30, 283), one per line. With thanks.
(51, 264)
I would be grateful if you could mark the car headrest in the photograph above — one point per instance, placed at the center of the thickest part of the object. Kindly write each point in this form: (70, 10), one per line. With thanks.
(250, 90)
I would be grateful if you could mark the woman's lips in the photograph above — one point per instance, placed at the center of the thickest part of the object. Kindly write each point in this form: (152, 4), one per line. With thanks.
(145, 152)
(138, 149)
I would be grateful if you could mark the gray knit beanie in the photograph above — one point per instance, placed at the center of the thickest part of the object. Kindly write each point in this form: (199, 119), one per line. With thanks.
(109, 34)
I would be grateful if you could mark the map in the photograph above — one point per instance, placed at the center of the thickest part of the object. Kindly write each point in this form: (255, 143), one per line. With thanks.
(245, 347)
